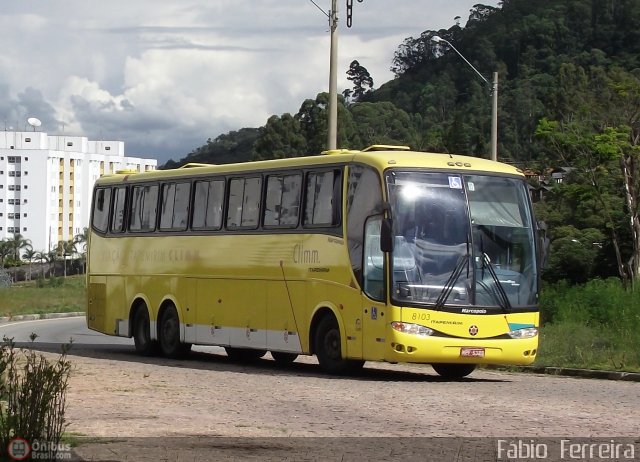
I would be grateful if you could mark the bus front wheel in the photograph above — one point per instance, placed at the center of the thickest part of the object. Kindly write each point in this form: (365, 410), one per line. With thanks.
(142, 333)
(328, 349)
(453, 371)
(169, 334)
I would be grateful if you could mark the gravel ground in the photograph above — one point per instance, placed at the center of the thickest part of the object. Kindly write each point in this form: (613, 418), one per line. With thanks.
(208, 408)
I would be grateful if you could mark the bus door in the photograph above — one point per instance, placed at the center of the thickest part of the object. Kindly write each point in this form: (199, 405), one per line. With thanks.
(374, 315)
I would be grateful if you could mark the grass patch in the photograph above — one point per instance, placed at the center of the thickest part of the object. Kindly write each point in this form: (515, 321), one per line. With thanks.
(591, 326)
(28, 298)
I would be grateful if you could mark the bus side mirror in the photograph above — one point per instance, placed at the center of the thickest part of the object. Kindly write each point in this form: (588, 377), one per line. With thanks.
(386, 235)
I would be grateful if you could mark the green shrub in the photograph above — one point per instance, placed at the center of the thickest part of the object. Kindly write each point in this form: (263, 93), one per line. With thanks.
(33, 397)
(595, 325)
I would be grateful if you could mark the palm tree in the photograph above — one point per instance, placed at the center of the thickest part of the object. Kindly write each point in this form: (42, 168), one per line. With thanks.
(17, 243)
(30, 255)
(52, 257)
(80, 241)
(66, 248)
(41, 257)
(5, 250)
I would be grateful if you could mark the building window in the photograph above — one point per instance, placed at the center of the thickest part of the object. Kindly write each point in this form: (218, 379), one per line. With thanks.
(27, 140)
(69, 143)
(107, 148)
(24, 229)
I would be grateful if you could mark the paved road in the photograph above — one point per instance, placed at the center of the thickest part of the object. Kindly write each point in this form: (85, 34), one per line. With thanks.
(182, 405)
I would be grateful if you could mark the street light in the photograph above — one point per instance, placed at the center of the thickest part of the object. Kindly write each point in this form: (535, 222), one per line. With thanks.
(494, 92)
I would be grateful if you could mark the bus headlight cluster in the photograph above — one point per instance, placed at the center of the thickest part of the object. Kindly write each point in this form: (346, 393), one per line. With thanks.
(413, 329)
(527, 332)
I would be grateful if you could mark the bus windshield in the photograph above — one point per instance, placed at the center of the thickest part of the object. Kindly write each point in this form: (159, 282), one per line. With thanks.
(462, 240)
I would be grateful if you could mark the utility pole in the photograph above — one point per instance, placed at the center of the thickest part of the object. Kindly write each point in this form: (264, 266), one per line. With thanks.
(332, 137)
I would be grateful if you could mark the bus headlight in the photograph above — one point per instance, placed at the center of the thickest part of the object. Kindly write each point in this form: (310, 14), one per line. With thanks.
(413, 329)
(527, 332)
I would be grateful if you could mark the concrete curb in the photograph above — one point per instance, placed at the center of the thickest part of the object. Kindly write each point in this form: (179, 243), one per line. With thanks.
(570, 372)
(33, 317)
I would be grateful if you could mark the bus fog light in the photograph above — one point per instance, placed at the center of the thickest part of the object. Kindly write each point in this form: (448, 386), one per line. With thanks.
(527, 332)
(412, 329)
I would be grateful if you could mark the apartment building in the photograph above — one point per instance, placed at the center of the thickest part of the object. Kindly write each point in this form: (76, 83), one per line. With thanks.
(46, 183)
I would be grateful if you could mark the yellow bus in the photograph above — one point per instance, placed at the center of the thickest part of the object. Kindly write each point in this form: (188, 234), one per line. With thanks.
(383, 254)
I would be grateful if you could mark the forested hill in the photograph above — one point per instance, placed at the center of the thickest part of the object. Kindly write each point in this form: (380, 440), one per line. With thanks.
(553, 57)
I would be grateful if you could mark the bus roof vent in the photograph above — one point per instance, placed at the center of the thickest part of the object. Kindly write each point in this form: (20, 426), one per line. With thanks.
(386, 147)
(126, 172)
(195, 165)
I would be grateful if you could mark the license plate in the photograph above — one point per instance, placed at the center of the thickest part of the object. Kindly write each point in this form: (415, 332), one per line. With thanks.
(472, 352)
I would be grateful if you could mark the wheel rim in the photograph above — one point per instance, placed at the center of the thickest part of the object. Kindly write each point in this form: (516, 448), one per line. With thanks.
(332, 344)
(170, 332)
(142, 330)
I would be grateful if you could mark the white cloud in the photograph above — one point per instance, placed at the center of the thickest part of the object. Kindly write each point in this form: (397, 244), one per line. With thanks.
(164, 76)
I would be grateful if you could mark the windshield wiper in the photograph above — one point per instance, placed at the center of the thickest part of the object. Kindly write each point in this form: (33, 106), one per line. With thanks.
(453, 277)
(503, 299)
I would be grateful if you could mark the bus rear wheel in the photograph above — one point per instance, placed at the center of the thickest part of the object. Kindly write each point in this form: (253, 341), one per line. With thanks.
(453, 371)
(328, 349)
(283, 358)
(169, 334)
(142, 333)
(244, 354)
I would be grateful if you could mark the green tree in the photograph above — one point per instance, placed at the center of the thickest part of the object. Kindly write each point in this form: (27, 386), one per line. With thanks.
(66, 249)
(29, 255)
(600, 134)
(280, 138)
(361, 79)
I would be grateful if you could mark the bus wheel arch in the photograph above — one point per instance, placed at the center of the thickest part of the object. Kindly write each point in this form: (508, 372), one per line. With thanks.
(140, 329)
(327, 342)
(168, 328)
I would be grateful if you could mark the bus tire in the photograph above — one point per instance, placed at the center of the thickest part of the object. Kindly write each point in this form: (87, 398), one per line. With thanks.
(453, 371)
(283, 358)
(244, 354)
(328, 349)
(169, 335)
(142, 333)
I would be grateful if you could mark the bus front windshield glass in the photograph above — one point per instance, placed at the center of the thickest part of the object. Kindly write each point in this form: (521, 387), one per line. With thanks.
(462, 240)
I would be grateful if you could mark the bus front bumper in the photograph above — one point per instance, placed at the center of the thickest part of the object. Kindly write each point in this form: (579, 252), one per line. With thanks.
(410, 348)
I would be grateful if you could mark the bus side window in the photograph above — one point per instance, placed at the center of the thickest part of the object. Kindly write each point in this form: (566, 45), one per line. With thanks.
(373, 260)
(174, 206)
(101, 204)
(282, 201)
(117, 214)
(244, 203)
(322, 207)
(207, 204)
(144, 205)
(364, 198)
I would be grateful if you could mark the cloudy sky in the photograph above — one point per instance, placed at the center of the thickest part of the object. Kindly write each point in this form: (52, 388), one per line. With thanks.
(164, 76)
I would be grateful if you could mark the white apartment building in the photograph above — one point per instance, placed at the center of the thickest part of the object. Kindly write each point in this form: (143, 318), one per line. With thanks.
(46, 183)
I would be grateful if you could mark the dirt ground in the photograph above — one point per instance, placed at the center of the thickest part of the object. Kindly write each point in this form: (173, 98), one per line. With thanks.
(122, 407)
